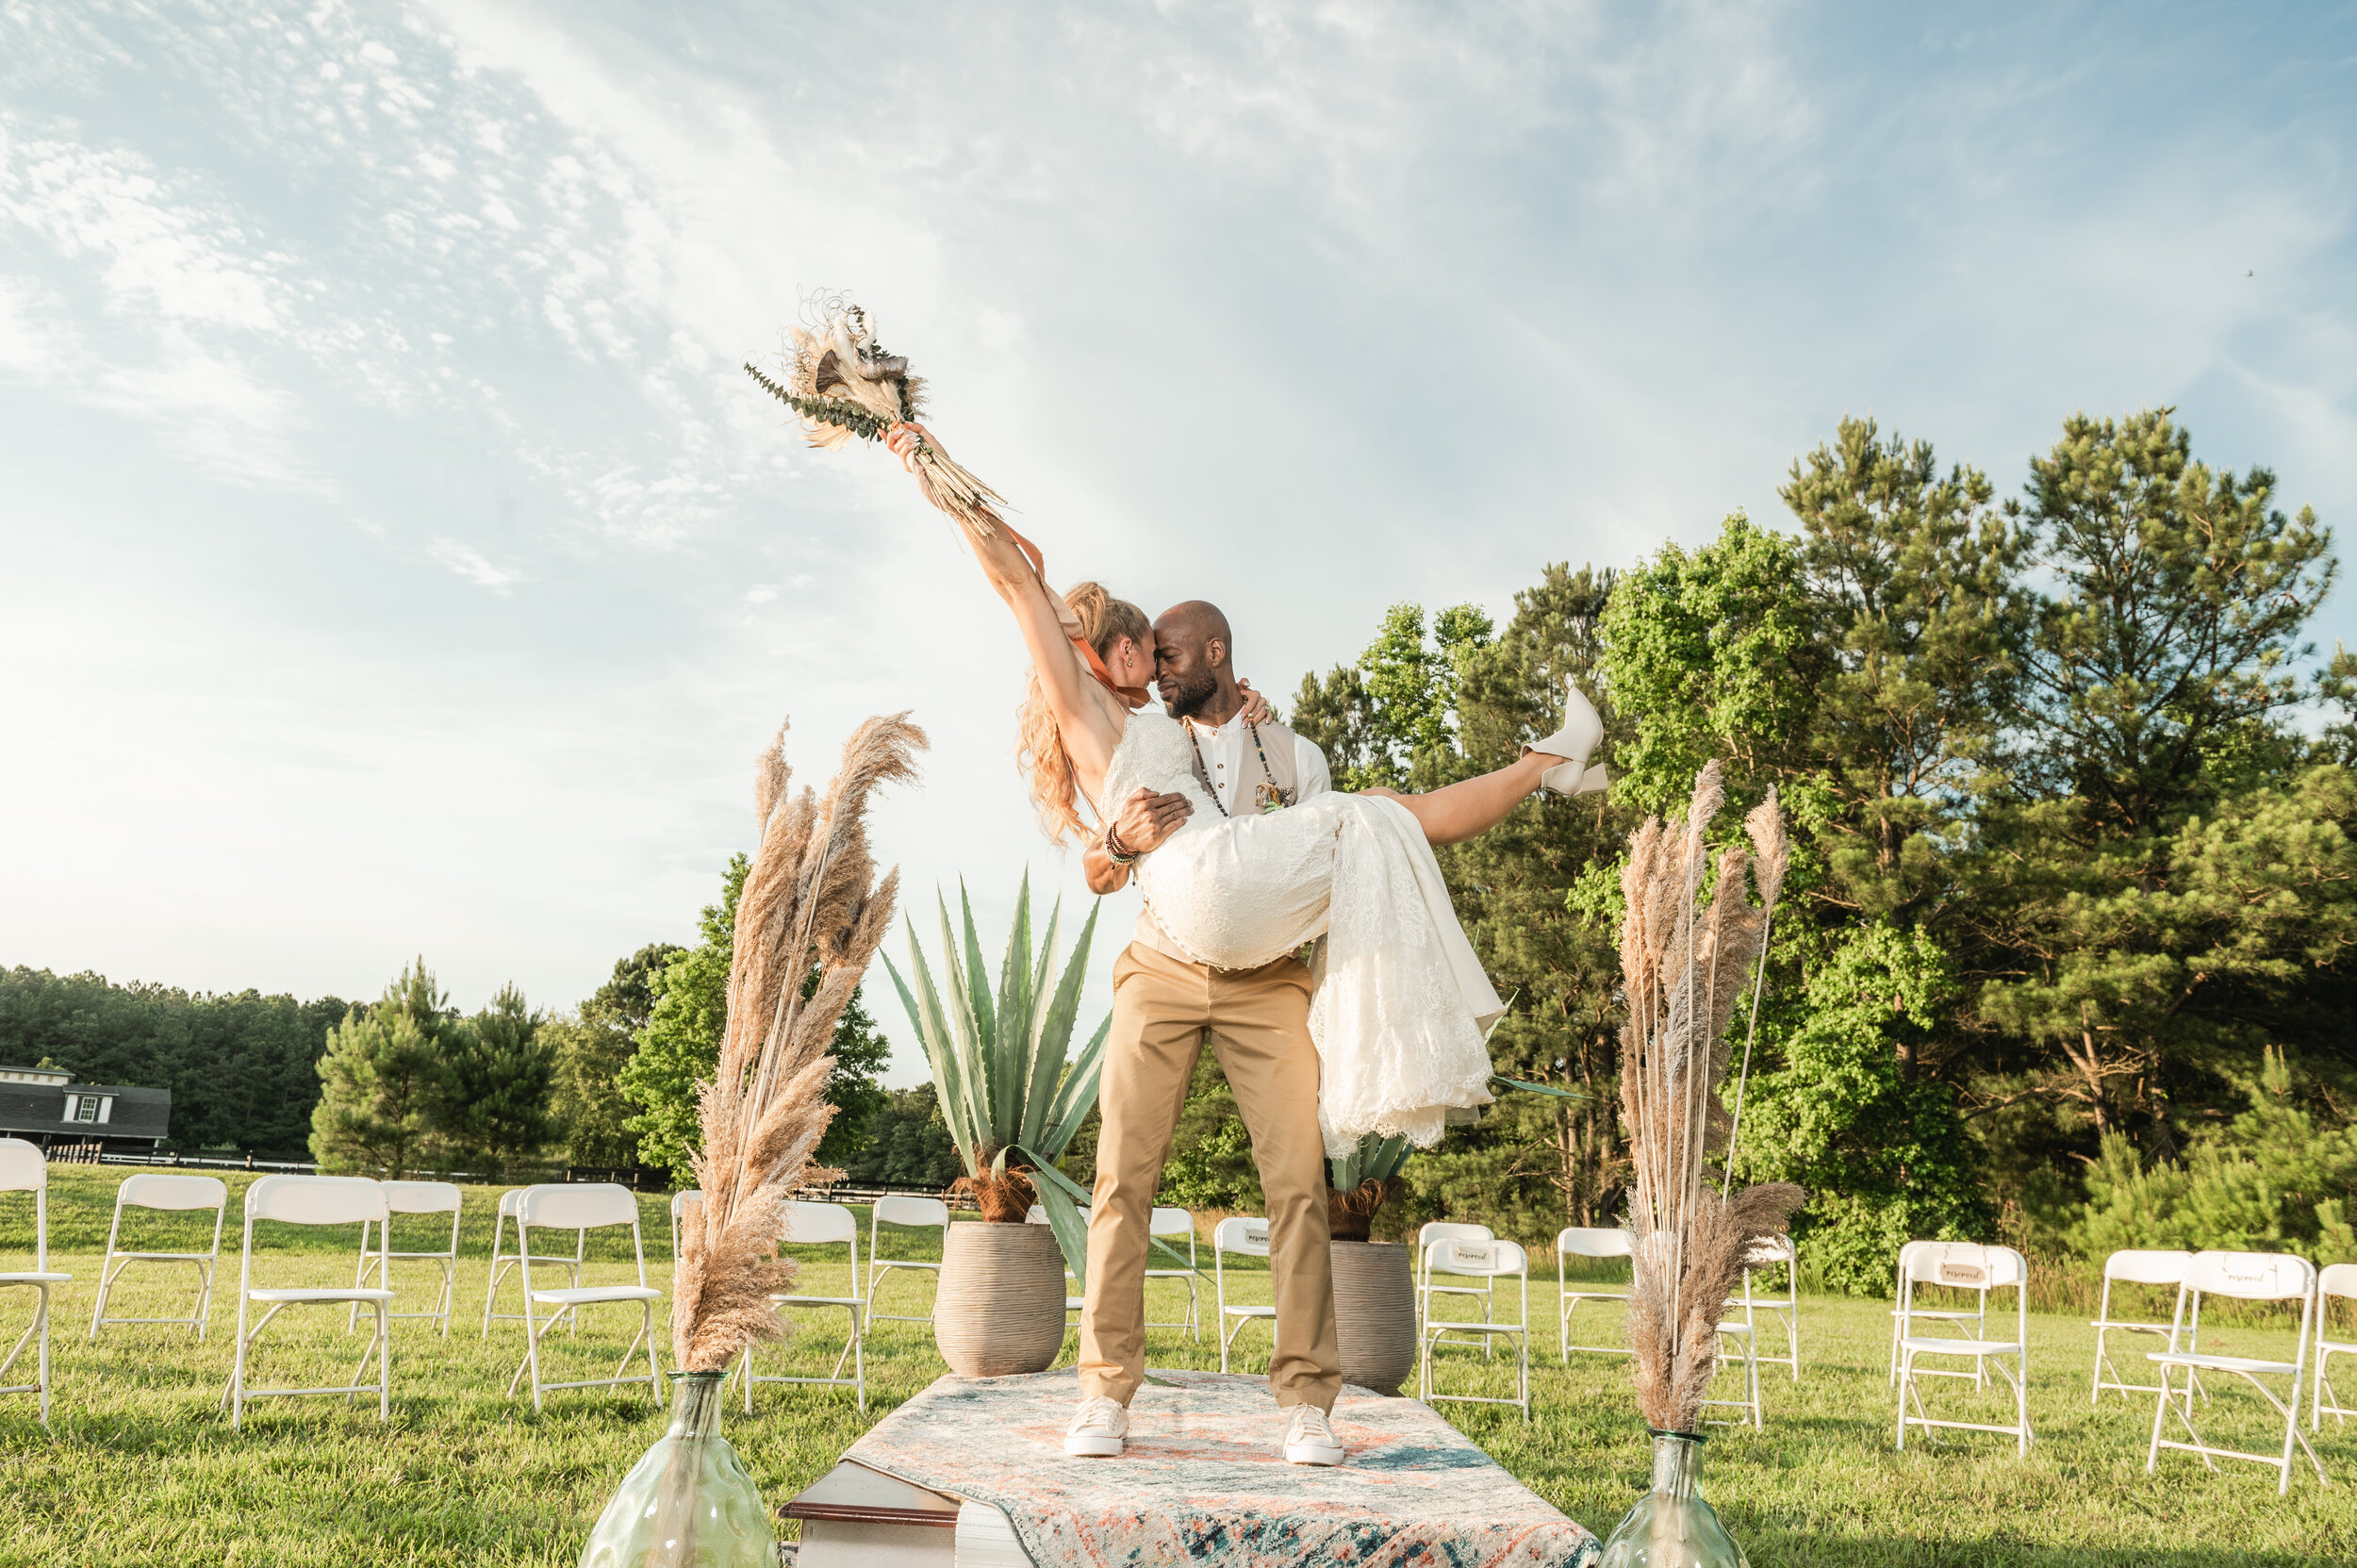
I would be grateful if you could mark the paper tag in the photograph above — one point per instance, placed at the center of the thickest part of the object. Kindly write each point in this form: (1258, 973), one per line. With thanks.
(1962, 1274)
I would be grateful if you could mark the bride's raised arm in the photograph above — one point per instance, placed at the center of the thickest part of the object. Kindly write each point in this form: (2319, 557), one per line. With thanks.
(1088, 719)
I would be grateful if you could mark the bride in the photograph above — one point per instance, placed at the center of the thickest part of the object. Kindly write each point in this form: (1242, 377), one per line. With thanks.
(1401, 1009)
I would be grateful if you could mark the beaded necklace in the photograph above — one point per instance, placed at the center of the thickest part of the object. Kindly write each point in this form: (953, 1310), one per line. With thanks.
(1276, 796)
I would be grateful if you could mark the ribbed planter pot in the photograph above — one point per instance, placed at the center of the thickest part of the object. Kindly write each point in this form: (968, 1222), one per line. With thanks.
(1374, 1314)
(1001, 1310)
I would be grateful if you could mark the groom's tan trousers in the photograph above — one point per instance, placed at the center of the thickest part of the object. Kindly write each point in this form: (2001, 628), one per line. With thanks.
(1259, 1023)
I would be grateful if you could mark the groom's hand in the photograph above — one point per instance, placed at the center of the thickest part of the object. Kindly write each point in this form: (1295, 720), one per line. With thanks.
(1147, 819)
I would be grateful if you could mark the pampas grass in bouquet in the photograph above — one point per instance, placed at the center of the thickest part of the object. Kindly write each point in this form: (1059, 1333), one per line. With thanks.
(1684, 963)
(808, 920)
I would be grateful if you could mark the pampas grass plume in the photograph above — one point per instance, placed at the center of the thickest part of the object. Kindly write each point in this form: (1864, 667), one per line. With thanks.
(810, 902)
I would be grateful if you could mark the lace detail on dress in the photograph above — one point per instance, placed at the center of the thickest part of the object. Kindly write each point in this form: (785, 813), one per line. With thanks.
(1401, 1002)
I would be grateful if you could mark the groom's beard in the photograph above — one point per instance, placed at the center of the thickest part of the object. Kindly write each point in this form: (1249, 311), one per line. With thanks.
(1185, 700)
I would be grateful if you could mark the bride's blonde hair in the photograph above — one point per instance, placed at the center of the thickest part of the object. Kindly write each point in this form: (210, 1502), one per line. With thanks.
(1039, 746)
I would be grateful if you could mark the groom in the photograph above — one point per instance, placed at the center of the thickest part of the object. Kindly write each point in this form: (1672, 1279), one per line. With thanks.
(1258, 1022)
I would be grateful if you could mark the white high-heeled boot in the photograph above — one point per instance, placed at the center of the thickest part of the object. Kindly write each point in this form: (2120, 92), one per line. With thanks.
(1582, 728)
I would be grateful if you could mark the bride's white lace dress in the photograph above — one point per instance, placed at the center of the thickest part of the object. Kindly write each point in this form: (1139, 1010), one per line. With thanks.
(1401, 1004)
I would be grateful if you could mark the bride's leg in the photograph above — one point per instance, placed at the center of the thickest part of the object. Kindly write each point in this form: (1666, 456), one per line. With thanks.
(1472, 807)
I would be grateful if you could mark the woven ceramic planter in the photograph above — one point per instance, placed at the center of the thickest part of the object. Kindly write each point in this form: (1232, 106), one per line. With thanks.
(1001, 1310)
(1374, 1314)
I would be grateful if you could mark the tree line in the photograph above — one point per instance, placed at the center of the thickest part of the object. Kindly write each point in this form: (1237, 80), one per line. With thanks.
(2065, 957)
(408, 1084)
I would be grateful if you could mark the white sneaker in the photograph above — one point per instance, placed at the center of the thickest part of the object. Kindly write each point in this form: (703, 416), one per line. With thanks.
(1098, 1429)
(1310, 1438)
(1582, 728)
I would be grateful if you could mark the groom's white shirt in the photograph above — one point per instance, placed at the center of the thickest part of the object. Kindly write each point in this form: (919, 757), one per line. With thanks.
(1230, 758)
(1235, 763)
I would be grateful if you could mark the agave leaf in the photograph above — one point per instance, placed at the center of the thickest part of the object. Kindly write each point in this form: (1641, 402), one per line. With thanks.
(1538, 1088)
(1056, 1029)
(950, 1088)
(1013, 1045)
(1063, 1218)
(960, 1043)
(998, 1094)
(959, 995)
(1079, 1092)
(1045, 1176)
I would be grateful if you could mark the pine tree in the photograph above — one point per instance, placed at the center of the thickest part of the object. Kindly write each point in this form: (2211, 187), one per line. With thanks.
(591, 1047)
(382, 1082)
(497, 1073)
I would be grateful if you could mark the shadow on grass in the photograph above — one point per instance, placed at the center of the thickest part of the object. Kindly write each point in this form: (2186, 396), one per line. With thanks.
(1793, 1549)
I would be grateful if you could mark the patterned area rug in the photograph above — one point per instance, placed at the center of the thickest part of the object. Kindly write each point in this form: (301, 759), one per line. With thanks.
(1203, 1481)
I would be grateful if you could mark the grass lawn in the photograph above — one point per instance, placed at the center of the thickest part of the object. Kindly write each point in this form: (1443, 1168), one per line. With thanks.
(138, 1468)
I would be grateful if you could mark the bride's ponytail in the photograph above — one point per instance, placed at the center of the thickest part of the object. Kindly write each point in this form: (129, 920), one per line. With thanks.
(1039, 746)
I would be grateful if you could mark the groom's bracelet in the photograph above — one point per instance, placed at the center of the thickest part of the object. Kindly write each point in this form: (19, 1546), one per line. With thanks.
(1114, 852)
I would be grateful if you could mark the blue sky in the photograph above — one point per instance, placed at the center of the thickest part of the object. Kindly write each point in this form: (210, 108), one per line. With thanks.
(393, 558)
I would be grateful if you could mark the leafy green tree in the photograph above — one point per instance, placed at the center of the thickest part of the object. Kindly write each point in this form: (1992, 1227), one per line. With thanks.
(2277, 1178)
(908, 1143)
(1373, 720)
(592, 1046)
(1885, 1157)
(680, 1047)
(493, 1111)
(383, 1080)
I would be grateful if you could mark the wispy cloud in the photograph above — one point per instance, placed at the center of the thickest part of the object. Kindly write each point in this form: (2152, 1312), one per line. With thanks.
(470, 564)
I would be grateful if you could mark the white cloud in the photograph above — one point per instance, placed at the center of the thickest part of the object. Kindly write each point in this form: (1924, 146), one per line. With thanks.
(761, 593)
(473, 566)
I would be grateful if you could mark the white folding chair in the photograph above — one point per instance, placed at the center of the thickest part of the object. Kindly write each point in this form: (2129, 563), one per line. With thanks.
(2242, 1277)
(1777, 1252)
(310, 1201)
(1247, 1237)
(1436, 1230)
(682, 1202)
(2339, 1280)
(1586, 1241)
(582, 1206)
(1478, 1260)
(1904, 1317)
(1970, 1267)
(510, 1201)
(25, 1169)
(169, 1194)
(412, 1197)
(901, 1209)
(823, 1224)
(1177, 1222)
(2132, 1267)
(1744, 1333)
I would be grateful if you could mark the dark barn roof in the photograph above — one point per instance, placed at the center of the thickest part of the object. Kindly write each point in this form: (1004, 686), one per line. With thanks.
(38, 1112)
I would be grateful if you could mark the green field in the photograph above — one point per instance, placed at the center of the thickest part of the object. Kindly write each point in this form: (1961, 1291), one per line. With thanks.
(139, 1468)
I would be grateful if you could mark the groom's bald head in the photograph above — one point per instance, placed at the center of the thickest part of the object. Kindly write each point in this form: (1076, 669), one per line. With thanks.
(1195, 662)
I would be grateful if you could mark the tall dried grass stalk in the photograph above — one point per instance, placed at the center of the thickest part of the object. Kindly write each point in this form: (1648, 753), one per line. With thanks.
(1683, 965)
(810, 914)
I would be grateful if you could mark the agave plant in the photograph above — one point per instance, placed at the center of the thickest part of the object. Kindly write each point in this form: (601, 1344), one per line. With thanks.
(1009, 1087)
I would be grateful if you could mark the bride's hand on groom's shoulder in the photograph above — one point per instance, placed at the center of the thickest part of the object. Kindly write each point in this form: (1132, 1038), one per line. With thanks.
(904, 438)
(1256, 708)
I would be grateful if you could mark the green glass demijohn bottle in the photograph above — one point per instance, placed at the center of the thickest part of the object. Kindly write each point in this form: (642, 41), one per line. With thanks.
(1672, 1526)
(688, 1503)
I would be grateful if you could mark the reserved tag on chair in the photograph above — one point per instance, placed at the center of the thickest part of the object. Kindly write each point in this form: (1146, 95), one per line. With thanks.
(1963, 1274)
